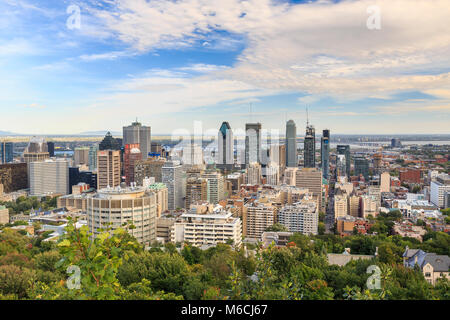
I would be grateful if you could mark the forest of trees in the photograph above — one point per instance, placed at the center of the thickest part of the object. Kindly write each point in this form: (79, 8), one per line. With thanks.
(115, 266)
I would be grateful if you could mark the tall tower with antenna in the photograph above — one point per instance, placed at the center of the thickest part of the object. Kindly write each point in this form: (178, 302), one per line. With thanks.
(309, 144)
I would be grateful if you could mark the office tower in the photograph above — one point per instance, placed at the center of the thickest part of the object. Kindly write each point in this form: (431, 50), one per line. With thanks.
(207, 225)
(137, 133)
(310, 147)
(93, 157)
(49, 177)
(272, 174)
(81, 156)
(150, 167)
(156, 148)
(252, 143)
(291, 145)
(131, 156)
(300, 217)
(353, 205)
(36, 150)
(214, 187)
(192, 154)
(345, 150)
(76, 176)
(162, 196)
(311, 179)
(225, 145)
(6, 152)
(385, 182)
(325, 153)
(254, 173)
(369, 206)
(121, 205)
(51, 148)
(109, 143)
(340, 205)
(438, 188)
(108, 171)
(361, 167)
(13, 176)
(395, 143)
(341, 166)
(196, 190)
(172, 177)
(257, 217)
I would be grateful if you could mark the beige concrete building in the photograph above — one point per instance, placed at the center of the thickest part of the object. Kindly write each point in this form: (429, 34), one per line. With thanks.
(385, 182)
(81, 156)
(353, 205)
(340, 205)
(112, 207)
(49, 177)
(257, 218)
(311, 179)
(207, 225)
(162, 197)
(302, 216)
(196, 190)
(108, 172)
(254, 173)
(151, 167)
(4, 215)
(164, 229)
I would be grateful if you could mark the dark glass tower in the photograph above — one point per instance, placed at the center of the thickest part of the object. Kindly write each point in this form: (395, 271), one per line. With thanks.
(6, 152)
(291, 144)
(252, 143)
(325, 153)
(51, 148)
(226, 144)
(109, 143)
(310, 147)
(345, 150)
(362, 167)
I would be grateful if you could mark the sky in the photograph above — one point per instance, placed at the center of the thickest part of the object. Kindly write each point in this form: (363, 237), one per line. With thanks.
(170, 63)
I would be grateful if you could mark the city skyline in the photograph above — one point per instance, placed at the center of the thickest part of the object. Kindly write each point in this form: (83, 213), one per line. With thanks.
(275, 57)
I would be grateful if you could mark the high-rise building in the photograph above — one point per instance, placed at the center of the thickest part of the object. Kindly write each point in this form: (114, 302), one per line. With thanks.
(6, 152)
(108, 171)
(214, 186)
(225, 145)
(325, 153)
(341, 166)
(252, 143)
(51, 148)
(438, 188)
(361, 165)
(257, 217)
(112, 207)
(36, 150)
(291, 145)
(309, 151)
(13, 176)
(300, 217)
(340, 205)
(172, 177)
(385, 182)
(81, 156)
(151, 167)
(137, 133)
(93, 157)
(49, 177)
(131, 156)
(109, 143)
(254, 173)
(196, 190)
(311, 179)
(345, 150)
(272, 174)
(162, 196)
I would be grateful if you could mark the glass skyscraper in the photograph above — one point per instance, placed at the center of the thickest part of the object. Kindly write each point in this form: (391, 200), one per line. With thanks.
(345, 150)
(6, 152)
(310, 147)
(291, 144)
(325, 153)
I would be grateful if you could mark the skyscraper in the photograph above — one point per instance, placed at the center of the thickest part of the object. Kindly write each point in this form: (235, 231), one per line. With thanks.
(345, 150)
(6, 152)
(361, 167)
(252, 143)
(93, 157)
(137, 133)
(325, 153)
(310, 147)
(49, 177)
(131, 156)
(81, 156)
(51, 148)
(109, 143)
(172, 177)
(108, 162)
(291, 144)
(226, 144)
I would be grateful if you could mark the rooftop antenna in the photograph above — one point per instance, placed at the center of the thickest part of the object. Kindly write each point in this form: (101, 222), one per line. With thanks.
(307, 118)
(251, 112)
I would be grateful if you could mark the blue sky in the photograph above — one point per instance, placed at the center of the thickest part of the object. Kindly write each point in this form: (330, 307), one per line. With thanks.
(171, 63)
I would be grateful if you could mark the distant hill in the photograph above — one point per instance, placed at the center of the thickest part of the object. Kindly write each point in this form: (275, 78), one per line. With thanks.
(100, 133)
